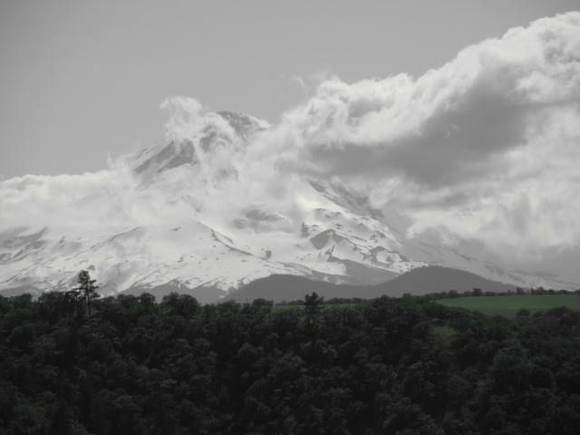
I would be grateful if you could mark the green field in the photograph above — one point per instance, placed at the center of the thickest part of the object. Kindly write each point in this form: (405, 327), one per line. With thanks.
(508, 306)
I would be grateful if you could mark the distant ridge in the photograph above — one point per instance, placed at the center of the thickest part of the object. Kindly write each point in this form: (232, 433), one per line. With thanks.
(285, 288)
(435, 279)
(420, 281)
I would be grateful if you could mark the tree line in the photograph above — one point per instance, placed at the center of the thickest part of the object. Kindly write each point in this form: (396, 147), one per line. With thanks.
(131, 365)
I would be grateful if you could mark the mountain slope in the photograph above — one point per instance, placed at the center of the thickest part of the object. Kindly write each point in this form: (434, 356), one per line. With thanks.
(184, 215)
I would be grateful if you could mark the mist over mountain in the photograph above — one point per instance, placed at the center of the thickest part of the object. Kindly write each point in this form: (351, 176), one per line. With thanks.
(471, 166)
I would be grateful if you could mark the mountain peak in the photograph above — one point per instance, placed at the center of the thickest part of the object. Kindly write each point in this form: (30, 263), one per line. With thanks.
(245, 125)
(211, 131)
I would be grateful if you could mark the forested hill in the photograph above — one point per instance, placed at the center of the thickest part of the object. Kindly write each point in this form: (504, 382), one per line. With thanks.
(437, 279)
(420, 281)
(128, 365)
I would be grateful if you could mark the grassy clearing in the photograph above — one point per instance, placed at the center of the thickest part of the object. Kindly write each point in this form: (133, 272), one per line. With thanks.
(509, 305)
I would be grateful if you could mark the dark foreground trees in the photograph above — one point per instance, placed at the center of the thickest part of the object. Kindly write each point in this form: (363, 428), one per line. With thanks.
(386, 367)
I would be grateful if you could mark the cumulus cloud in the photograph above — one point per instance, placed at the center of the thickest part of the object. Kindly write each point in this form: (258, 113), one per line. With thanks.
(448, 124)
(484, 146)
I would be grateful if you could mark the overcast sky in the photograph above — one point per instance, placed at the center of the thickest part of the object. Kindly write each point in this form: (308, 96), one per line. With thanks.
(83, 79)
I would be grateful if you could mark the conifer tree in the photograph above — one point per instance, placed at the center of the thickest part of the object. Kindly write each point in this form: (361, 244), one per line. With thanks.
(87, 290)
(312, 305)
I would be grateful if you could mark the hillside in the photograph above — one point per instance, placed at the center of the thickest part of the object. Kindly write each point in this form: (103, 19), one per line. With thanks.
(285, 288)
(421, 281)
(434, 279)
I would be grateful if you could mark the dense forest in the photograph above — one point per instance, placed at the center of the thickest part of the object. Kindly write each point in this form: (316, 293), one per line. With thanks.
(130, 365)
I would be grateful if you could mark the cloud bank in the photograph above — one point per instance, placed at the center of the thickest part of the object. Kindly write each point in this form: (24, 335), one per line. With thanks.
(484, 148)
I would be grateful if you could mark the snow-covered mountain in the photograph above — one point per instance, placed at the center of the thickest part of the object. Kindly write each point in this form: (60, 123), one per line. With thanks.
(186, 213)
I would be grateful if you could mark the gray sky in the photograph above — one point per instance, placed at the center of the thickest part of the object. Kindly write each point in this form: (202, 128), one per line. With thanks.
(80, 79)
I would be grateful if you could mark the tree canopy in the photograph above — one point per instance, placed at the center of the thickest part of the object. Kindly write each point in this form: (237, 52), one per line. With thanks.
(387, 366)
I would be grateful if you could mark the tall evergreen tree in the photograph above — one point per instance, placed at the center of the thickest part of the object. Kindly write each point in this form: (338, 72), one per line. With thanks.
(86, 291)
